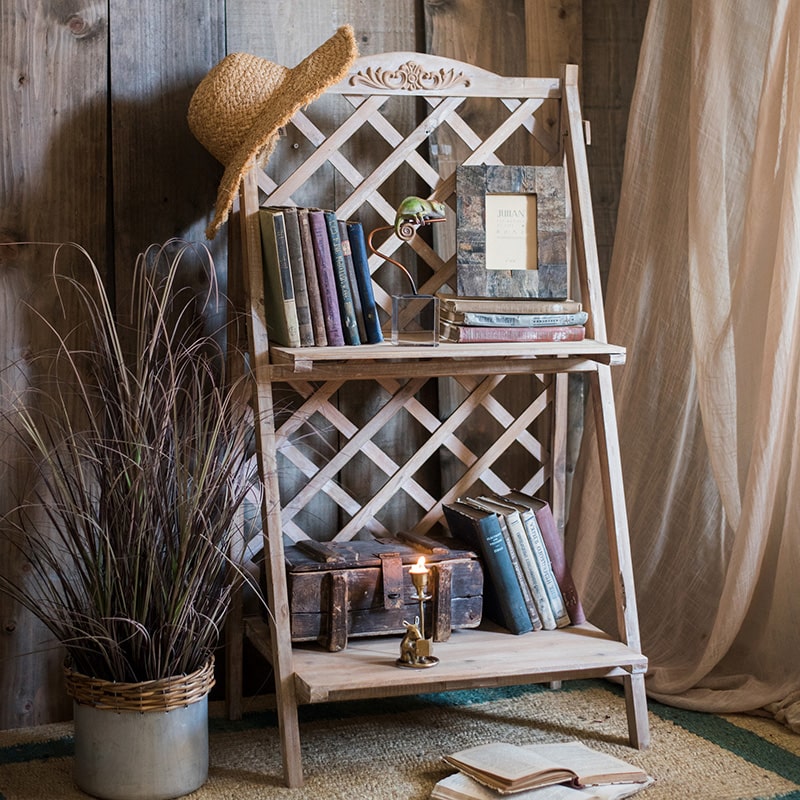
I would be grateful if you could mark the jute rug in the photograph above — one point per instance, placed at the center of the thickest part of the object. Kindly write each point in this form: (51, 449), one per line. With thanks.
(390, 749)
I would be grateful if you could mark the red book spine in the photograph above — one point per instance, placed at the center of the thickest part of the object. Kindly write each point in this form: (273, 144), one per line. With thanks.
(474, 333)
(558, 559)
(555, 549)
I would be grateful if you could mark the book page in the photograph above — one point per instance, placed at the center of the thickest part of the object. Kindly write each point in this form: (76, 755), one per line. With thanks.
(592, 767)
(507, 765)
(462, 787)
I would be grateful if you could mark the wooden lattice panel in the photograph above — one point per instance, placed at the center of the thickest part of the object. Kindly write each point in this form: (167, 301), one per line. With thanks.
(463, 117)
(500, 431)
(422, 157)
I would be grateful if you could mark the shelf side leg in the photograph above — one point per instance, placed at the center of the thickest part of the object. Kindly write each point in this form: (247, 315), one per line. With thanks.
(614, 501)
(636, 708)
(619, 545)
(558, 449)
(277, 593)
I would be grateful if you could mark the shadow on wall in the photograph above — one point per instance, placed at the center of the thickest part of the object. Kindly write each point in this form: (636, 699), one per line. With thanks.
(158, 183)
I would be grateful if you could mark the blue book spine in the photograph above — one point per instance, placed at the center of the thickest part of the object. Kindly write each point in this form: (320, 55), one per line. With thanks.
(347, 310)
(482, 531)
(358, 244)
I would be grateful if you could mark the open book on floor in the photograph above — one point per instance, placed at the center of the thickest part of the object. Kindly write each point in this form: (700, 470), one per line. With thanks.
(510, 768)
(459, 786)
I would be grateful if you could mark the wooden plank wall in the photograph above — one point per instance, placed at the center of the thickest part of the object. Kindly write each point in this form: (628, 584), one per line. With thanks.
(96, 149)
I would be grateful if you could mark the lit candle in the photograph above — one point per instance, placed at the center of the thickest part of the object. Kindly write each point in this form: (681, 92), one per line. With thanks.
(419, 566)
(419, 576)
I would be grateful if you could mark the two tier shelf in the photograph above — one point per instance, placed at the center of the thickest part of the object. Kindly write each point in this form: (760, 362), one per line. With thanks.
(480, 423)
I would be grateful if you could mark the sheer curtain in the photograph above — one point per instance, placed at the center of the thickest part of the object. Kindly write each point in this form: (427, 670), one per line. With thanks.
(704, 289)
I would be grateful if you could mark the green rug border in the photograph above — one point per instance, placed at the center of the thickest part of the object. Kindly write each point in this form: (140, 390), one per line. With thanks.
(743, 743)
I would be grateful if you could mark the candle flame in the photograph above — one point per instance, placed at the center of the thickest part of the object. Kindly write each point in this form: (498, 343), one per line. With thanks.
(419, 566)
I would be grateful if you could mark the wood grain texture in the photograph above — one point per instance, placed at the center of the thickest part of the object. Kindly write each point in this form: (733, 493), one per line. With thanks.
(266, 30)
(468, 657)
(164, 181)
(553, 34)
(612, 35)
(552, 38)
(52, 185)
(492, 36)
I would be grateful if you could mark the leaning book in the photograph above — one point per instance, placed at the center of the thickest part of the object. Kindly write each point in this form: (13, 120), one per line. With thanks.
(509, 768)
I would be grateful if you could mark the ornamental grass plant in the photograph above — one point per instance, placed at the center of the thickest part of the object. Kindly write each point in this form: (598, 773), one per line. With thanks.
(142, 460)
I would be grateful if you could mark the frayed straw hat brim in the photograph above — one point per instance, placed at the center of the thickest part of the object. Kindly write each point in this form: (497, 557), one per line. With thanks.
(303, 84)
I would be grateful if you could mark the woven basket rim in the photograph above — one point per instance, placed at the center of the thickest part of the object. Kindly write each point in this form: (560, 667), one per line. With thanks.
(162, 694)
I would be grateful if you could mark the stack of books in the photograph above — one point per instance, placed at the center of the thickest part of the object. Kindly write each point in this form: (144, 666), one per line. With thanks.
(317, 284)
(490, 319)
(528, 585)
(549, 771)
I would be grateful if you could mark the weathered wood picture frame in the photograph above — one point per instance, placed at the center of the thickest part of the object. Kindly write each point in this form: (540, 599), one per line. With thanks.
(503, 214)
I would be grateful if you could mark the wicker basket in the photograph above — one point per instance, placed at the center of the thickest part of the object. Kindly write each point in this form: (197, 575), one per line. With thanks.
(159, 695)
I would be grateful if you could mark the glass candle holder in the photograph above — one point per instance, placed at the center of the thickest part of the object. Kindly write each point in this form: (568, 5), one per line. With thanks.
(415, 320)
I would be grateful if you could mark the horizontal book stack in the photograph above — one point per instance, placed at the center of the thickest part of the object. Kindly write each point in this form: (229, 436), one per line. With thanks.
(528, 585)
(317, 284)
(490, 319)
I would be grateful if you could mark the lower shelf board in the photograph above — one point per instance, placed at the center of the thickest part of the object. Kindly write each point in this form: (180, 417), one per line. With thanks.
(469, 659)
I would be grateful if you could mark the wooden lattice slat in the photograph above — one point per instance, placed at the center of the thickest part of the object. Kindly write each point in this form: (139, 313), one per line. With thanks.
(443, 435)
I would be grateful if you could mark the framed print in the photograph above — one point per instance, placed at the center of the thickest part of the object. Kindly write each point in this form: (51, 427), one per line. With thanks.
(511, 231)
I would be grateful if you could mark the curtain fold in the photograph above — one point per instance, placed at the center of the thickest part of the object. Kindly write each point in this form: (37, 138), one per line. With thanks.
(704, 290)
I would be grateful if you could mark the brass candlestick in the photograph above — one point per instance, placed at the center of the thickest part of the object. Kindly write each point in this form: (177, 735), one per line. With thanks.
(416, 650)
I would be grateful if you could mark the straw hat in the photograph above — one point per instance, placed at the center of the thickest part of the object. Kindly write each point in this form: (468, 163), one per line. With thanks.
(238, 108)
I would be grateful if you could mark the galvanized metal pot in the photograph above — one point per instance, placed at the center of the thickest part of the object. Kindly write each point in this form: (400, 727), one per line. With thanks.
(145, 741)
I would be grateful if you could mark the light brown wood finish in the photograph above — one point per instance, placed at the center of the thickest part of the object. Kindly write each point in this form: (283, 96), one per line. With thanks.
(468, 658)
(307, 674)
(277, 596)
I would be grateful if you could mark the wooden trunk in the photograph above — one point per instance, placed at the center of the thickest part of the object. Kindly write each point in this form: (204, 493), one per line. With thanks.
(363, 588)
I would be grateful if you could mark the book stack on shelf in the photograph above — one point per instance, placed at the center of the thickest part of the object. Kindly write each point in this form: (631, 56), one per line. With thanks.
(527, 319)
(548, 771)
(317, 285)
(528, 585)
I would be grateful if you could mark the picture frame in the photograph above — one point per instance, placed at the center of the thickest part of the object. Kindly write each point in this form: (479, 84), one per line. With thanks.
(512, 229)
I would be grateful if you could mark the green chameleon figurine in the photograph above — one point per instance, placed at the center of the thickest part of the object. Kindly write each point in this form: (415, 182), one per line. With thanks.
(414, 211)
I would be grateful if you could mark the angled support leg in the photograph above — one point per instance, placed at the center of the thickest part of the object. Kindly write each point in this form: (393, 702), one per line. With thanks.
(636, 709)
(277, 594)
(619, 546)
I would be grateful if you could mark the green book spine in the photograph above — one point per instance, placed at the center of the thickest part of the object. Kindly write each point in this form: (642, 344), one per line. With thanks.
(279, 303)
